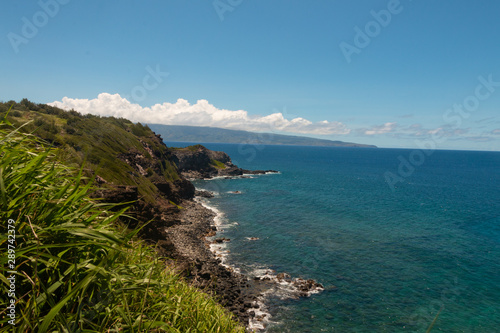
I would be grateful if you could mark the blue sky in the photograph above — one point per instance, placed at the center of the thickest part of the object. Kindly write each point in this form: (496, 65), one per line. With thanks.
(391, 73)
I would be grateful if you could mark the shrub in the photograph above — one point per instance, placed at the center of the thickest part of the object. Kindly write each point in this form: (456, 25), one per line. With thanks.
(39, 122)
(28, 105)
(69, 129)
(140, 130)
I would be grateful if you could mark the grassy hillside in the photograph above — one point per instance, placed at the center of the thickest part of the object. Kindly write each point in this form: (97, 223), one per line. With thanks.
(101, 144)
(76, 269)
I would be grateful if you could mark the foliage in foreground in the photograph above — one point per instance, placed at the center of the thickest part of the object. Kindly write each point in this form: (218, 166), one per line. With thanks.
(76, 271)
(97, 143)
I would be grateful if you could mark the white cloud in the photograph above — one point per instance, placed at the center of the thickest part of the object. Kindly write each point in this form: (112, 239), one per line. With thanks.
(435, 131)
(200, 114)
(380, 129)
(414, 131)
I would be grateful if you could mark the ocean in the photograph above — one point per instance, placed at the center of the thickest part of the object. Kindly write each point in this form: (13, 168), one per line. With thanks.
(402, 240)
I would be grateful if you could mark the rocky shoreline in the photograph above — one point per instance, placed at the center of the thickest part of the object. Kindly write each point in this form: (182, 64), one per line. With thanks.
(200, 265)
(180, 229)
(238, 293)
(257, 288)
(133, 168)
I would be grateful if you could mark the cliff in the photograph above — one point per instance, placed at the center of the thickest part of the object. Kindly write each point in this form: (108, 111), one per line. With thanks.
(198, 162)
(135, 169)
(86, 271)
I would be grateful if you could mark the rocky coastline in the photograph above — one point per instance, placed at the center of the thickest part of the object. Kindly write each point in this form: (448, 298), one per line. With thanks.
(240, 294)
(133, 168)
(198, 162)
(179, 226)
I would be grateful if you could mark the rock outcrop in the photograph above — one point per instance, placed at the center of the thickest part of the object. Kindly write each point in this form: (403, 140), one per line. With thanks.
(179, 225)
(175, 223)
(198, 162)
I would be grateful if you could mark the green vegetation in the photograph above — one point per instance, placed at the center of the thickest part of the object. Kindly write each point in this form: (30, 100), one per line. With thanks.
(218, 164)
(193, 148)
(100, 144)
(78, 269)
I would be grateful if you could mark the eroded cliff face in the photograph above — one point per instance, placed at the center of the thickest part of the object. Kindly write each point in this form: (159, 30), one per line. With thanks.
(158, 189)
(198, 162)
(176, 224)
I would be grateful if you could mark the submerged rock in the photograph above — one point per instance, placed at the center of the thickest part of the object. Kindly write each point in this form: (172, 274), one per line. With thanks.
(297, 287)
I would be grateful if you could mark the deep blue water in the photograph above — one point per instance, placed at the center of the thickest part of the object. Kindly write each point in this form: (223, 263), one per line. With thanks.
(391, 259)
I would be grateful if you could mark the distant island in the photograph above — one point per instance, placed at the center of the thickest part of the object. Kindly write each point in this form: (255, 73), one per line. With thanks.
(197, 134)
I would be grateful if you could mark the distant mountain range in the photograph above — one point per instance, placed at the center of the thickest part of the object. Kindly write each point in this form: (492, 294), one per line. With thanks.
(220, 135)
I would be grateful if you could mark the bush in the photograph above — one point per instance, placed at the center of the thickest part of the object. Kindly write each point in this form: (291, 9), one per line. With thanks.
(28, 105)
(194, 147)
(73, 121)
(39, 122)
(69, 129)
(74, 143)
(140, 130)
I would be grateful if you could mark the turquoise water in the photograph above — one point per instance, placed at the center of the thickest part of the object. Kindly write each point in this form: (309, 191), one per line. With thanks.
(390, 261)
